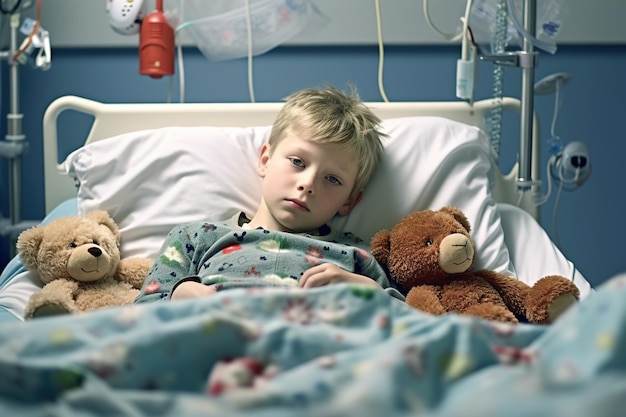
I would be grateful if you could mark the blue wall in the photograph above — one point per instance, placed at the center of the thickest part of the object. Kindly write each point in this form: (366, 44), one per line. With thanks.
(589, 219)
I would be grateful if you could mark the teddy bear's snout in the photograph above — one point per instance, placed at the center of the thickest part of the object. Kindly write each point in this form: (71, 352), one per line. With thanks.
(88, 263)
(456, 253)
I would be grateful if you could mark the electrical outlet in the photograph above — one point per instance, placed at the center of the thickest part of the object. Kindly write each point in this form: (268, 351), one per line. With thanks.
(574, 163)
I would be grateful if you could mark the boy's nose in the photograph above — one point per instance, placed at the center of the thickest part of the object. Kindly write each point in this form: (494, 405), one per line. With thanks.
(308, 189)
(307, 183)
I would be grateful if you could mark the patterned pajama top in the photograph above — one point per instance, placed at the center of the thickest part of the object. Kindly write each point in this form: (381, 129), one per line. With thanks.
(232, 255)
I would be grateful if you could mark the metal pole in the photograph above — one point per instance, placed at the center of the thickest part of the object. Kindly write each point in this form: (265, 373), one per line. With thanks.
(14, 127)
(528, 62)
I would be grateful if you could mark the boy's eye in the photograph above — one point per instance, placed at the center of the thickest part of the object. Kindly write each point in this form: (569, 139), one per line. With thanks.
(297, 162)
(333, 180)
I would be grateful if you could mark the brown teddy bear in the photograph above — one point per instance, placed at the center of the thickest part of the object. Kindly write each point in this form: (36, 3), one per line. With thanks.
(430, 254)
(78, 260)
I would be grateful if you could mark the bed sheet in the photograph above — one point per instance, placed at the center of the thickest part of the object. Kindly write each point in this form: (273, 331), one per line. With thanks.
(333, 351)
(17, 284)
(530, 263)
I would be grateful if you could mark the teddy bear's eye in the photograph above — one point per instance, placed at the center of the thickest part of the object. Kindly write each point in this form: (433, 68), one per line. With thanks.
(95, 242)
(73, 245)
(429, 242)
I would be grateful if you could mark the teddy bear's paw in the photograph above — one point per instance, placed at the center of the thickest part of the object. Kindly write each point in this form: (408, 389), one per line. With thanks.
(423, 298)
(49, 310)
(491, 311)
(559, 305)
(549, 297)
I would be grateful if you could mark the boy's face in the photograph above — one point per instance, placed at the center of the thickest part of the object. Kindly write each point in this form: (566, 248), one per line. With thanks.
(305, 184)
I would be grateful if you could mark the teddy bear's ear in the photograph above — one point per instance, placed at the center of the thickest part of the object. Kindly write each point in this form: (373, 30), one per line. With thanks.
(380, 246)
(28, 245)
(103, 218)
(458, 215)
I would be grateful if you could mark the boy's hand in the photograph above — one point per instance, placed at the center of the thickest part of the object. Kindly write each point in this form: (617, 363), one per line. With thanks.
(327, 273)
(192, 289)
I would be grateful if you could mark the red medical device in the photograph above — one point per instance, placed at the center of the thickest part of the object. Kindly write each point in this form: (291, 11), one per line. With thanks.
(156, 44)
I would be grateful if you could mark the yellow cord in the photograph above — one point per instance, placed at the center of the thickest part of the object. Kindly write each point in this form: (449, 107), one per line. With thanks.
(381, 53)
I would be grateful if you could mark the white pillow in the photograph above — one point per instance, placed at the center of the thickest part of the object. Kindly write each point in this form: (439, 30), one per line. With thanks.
(151, 180)
(431, 162)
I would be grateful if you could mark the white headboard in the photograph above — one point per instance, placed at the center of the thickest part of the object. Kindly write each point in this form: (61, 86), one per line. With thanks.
(114, 119)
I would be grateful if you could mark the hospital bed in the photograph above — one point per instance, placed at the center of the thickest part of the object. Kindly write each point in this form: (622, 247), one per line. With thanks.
(327, 351)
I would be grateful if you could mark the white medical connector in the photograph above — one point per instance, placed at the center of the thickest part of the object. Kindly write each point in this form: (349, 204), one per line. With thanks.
(465, 79)
(466, 67)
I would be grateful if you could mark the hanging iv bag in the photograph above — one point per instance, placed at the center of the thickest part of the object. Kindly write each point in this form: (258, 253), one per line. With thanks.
(483, 21)
(221, 29)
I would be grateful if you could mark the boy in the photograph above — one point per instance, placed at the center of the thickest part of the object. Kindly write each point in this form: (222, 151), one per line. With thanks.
(323, 149)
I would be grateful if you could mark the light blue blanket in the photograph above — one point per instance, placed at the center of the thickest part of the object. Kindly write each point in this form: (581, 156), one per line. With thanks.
(333, 351)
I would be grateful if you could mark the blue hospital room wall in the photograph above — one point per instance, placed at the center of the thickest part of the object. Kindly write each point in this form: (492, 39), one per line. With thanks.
(589, 220)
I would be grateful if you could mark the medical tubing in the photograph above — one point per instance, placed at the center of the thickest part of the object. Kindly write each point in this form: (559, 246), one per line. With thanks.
(557, 105)
(179, 54)
(466, 65)
(555, 210)
(548, 47)
(539, 199)
(12, 10)
(447, 36)
(32, 34)
(554, 144)
(181, 74)
(499, 45)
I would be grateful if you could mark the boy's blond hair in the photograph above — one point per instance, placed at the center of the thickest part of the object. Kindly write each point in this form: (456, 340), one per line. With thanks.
(331, 115)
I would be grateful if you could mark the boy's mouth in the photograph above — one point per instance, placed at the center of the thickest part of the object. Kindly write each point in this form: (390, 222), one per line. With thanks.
(298, 204)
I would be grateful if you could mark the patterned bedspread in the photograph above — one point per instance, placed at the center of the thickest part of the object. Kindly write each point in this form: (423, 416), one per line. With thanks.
(333, 351)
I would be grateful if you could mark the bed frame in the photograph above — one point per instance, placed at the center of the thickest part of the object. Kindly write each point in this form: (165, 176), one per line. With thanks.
(114, 119)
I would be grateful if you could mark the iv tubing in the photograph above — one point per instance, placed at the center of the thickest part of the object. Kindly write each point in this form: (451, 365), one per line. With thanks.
(447, 36)
(464, 40)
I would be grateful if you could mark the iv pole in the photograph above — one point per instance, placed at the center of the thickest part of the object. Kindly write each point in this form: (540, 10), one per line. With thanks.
(14, 145)
(527, 60)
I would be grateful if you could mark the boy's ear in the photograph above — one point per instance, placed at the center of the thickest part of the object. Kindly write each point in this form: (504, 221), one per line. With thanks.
(264, 157)
(350, 203)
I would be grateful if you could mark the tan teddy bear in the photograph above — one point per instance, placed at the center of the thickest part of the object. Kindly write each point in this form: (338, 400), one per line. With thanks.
(430, 254)
(78, 260)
